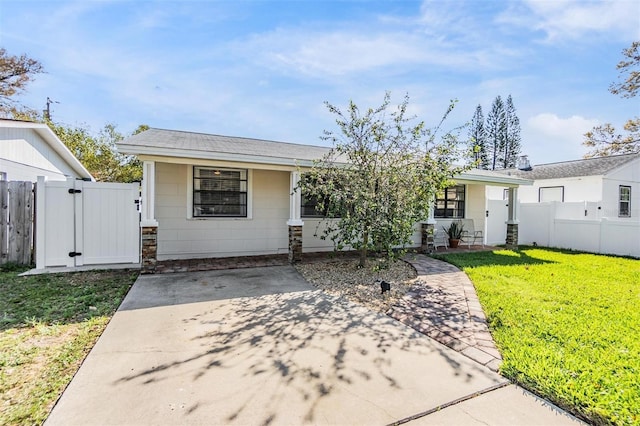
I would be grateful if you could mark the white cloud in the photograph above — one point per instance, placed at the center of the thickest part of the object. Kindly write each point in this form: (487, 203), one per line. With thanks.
(341, 52)
(576, 19)
(551, 138)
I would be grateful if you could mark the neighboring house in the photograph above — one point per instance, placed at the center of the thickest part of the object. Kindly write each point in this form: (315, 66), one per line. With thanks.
(569, 199)
(29, 150)
(613, 182)
(218, 196)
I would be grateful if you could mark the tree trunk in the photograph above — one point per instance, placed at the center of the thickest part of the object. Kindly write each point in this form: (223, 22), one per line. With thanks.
(363, 250)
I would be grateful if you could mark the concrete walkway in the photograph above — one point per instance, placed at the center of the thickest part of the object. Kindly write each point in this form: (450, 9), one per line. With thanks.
(260, 346)
(443, 304)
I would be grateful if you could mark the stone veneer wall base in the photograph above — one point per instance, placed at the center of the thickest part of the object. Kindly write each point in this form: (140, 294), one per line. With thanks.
(149, 249)
(295, 244)
(512, 236)
(426, 245)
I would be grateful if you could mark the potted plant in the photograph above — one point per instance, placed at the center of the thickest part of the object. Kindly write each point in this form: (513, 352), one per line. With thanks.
(454, 231)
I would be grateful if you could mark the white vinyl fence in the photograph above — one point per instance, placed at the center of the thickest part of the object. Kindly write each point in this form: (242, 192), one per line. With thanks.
(86, 223)
(578, 226)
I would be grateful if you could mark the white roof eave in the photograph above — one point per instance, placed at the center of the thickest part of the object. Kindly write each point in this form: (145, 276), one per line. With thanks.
(211, 155)
(495, 179)
(492, 180)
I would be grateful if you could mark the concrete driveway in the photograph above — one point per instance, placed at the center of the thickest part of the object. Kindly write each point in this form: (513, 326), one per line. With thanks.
(261, 346)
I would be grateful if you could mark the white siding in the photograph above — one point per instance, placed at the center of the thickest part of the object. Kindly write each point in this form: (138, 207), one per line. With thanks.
(585, 188)
(311, 242)
(24, 155)
(265, 232)
(628, 175)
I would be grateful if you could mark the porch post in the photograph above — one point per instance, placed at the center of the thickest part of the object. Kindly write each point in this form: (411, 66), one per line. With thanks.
(295, 223)
(512, 220)
(427, 231)
(148, 222)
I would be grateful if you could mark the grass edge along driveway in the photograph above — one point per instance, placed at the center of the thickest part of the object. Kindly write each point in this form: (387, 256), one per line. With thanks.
(48, 324)
(567, 325)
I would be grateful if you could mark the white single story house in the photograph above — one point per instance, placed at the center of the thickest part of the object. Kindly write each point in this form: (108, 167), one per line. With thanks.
(218, 196)
(29, 150)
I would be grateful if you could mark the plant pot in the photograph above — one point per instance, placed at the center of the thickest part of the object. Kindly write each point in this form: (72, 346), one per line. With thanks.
(453, 243)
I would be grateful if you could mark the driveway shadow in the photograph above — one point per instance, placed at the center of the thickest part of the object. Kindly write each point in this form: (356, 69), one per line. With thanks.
(287, 357)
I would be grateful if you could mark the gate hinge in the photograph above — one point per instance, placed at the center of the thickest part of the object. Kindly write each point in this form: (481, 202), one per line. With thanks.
(74, 191)
(74, 254)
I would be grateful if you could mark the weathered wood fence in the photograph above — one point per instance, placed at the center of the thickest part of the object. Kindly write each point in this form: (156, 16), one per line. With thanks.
(16, 222)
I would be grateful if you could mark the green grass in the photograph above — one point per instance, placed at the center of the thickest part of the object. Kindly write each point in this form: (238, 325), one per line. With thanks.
(567, 325)
(48, 324)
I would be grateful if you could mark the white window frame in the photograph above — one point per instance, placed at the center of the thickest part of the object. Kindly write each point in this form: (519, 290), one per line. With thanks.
(620, 201)
(551, 187)
(190, 194)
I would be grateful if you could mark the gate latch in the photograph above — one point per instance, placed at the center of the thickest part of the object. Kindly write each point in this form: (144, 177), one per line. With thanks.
(74, 254)
(74, 191)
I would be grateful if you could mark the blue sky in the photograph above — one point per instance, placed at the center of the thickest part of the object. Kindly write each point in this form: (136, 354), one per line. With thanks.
(263, 69)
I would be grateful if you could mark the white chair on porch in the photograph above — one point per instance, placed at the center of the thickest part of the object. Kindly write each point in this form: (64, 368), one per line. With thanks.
(440, 239)
(470, 236)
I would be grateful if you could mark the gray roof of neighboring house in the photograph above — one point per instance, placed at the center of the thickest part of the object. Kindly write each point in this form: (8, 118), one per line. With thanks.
(587, 167)
(188, 144)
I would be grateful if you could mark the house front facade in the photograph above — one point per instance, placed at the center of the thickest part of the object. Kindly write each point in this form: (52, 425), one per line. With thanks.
(217, 196)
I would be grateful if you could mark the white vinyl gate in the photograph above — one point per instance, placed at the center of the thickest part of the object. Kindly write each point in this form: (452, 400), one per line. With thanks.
(86, 223)
(497, 215)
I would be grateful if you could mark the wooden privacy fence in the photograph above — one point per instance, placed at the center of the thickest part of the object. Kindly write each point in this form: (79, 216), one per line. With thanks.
(16, 222)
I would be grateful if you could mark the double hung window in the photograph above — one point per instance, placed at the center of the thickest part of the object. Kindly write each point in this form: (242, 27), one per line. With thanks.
(624, 201)
(219, 192)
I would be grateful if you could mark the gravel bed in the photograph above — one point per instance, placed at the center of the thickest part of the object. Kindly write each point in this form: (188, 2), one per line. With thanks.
(343, 278)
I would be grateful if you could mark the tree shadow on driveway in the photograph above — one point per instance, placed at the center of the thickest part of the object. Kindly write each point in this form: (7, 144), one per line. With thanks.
(293, 357)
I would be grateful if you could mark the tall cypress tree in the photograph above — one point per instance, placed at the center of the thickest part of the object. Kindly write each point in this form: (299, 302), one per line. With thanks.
(496, 129)
(478, 139)
(512, 145)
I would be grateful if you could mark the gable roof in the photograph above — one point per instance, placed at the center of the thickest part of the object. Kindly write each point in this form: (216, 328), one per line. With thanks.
(53, 141)
(564, 169)
(176, 143)
(181, 144)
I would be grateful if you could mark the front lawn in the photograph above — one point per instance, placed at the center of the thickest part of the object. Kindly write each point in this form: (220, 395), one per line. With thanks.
(48, 324)
(567, 325)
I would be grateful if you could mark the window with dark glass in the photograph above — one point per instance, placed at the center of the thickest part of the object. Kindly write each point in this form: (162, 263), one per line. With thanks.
(309, 207)
(219, 192)
(624, 204)
(450, 203)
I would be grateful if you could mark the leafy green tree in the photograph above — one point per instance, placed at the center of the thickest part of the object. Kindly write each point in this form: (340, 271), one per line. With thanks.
(512, 138)
(15, 73)
(478, 140)
(379, 177)
(604, 140)
(98, 153)
(496, 128)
